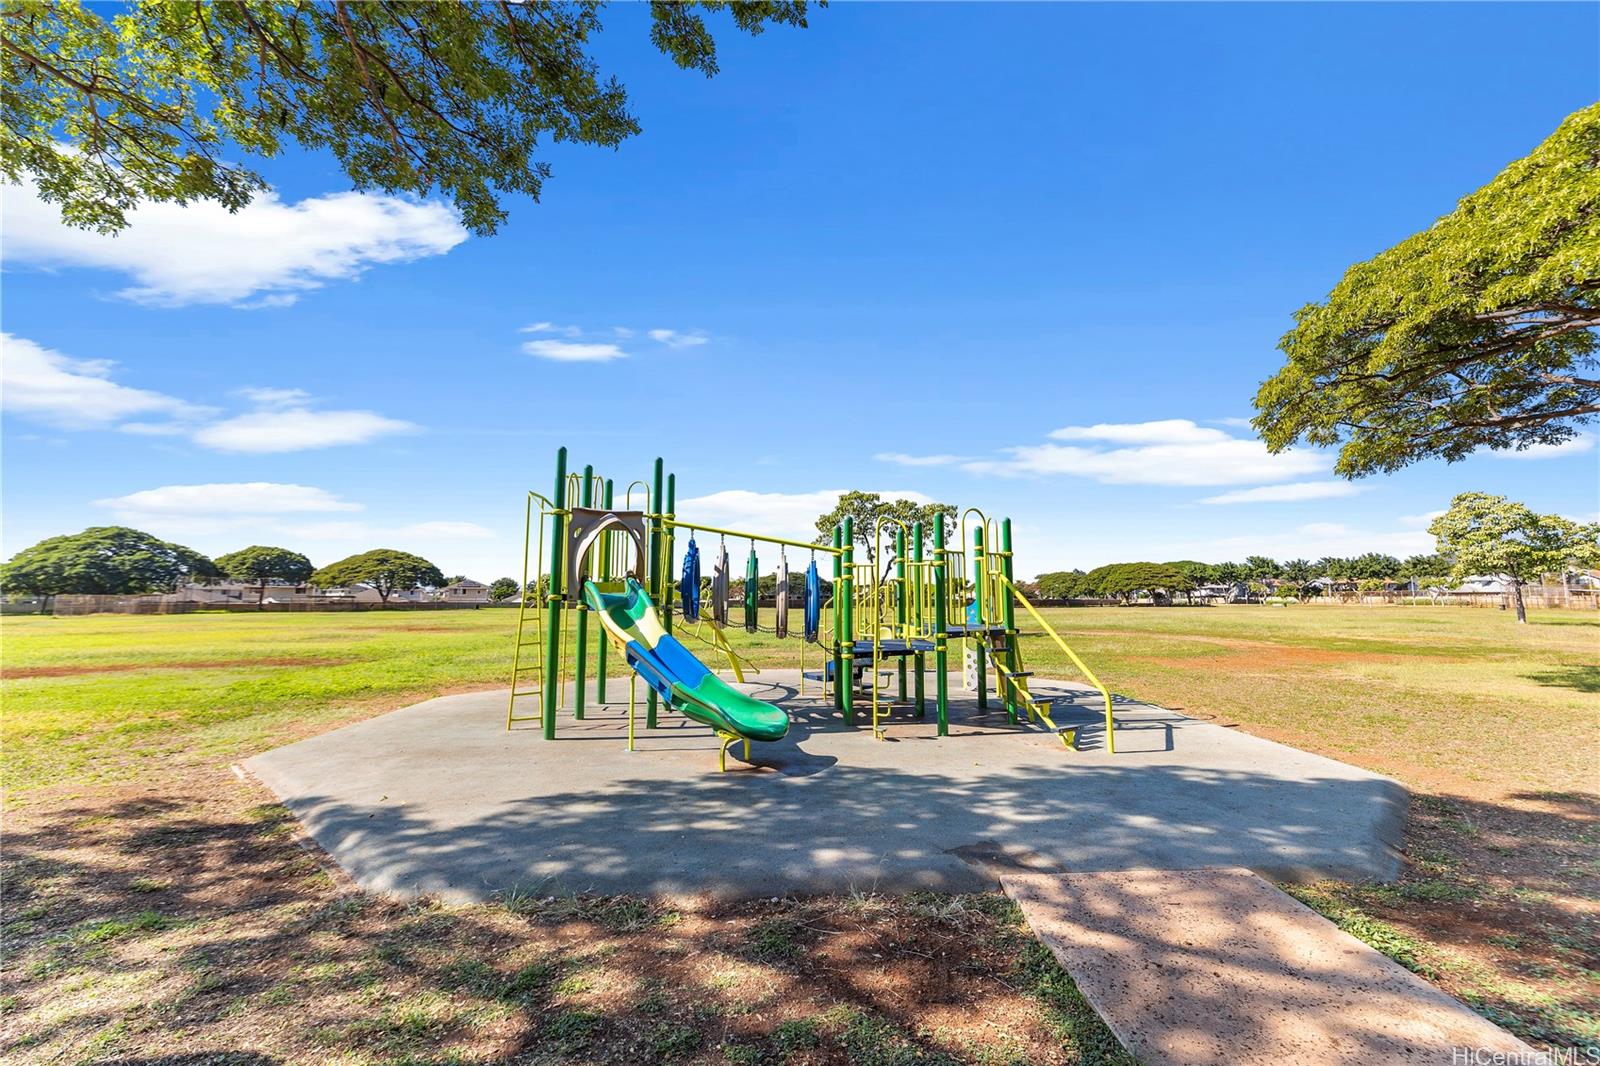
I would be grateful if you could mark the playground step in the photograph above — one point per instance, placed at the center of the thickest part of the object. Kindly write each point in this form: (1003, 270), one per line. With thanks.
(1208, 966)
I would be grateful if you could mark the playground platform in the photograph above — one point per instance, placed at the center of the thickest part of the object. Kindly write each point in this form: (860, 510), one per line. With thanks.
(439, 798)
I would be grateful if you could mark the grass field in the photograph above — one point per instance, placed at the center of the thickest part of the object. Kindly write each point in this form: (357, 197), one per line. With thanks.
(132, 848)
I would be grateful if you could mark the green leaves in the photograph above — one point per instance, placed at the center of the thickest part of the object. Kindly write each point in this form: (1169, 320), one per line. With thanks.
(455, 98)
(259, 563)
(106, 561)
(1477, 332)
(1486, 534)
(384, 569)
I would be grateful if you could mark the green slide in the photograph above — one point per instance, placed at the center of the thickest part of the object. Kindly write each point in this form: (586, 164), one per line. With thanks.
(689, 688)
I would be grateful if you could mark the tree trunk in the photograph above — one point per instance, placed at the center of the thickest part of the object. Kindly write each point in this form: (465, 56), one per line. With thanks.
(1516, 601)
(261, 595)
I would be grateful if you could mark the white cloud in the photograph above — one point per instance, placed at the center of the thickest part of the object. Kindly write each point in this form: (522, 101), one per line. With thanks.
(902, 459)
(551, 327)
(1298, 490)
(791, 515)
(296, 429)
(1163, 431)
(75, 393)
(224, 516)
(268, 397)
(1172, 451)
(574, 352)
(674, 339)
(232, 498)
(264, 255)
(79, 394)
(1583, 442)
(1419, 521)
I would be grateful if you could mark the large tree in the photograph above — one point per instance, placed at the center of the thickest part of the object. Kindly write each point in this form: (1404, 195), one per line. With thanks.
(261, 563)
(159, 101)
(868, 510)
(1477, 332)
(106, 561)
(383, 570)
(502, 588)
(1486, 534)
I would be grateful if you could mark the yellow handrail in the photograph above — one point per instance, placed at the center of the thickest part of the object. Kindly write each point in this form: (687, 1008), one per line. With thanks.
(740, 534)
(1111, 737)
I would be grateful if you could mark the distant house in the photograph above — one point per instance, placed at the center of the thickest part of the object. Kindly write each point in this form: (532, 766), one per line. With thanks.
(368, 594)
(226, 592)
(1483, 583)
(1220, 592)
(464, 591)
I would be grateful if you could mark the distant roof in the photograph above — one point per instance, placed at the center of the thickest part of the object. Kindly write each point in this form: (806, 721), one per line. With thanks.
(467, 583)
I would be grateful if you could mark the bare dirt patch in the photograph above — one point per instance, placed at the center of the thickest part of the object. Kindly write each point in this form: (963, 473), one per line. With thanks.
(76, 670)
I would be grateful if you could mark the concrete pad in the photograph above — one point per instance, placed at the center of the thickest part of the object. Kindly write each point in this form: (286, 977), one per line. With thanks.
(441, 798)
(1209, 966)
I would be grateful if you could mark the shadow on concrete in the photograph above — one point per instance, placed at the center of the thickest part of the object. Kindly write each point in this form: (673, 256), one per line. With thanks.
(746, 833)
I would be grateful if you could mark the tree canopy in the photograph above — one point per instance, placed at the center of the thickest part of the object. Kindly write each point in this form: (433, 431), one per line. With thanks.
(160, 101)
(503, 588)
(105, 560)
(867, 510)
(1477, 332)
(261, 563)
(1487, 534)
(383, 569)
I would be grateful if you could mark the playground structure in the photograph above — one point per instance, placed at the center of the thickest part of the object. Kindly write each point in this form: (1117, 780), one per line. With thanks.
(584, 556)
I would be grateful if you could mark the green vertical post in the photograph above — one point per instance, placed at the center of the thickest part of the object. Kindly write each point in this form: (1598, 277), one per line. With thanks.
(941, 654)
(1008, 615)
(848, 681)
(605, 575)
(838, 624)
(552, 638)
(900, 598)
(586, 499)
(667, 585)
(653, 578)
(918, 661)
(982, 642)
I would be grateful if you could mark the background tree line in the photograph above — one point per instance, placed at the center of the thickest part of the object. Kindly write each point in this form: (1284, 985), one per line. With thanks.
(118, 561)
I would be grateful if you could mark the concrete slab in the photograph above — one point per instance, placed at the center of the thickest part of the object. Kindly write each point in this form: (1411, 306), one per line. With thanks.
(1211, 966)
(440, 798)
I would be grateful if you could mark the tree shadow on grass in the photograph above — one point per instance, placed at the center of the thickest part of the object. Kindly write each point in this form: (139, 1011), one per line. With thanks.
(1579, 678)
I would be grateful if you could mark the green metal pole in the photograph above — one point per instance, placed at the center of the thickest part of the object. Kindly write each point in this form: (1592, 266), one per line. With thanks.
(667, 587)
(919, 664)
(586, 496)
(900, 598)
(1009, 617)
(605, 575)
(838, 624)
(941, 655)
(982, 642)
(653, 572)
(848, 681)
(552, 639)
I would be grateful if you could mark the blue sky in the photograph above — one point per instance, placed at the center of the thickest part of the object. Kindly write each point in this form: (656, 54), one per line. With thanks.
(1030, 258)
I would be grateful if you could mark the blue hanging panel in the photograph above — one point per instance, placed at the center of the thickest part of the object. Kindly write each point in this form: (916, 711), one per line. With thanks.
(689, 587)
(813, 602)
